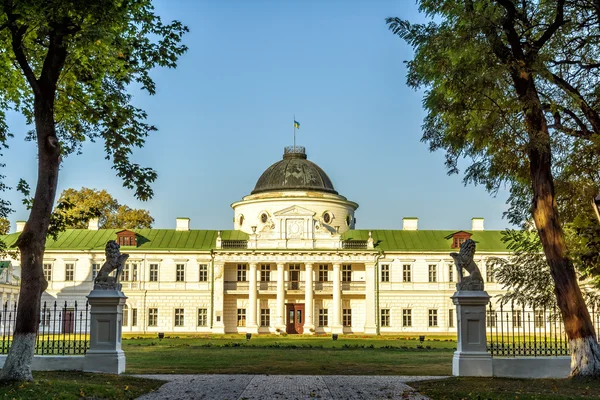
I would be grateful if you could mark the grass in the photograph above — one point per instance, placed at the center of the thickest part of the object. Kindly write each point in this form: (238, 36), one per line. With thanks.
(62, 385)
(505, 389)
(291, 355)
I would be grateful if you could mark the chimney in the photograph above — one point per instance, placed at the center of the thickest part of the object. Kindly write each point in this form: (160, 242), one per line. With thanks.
(20, 226)
(182, 224)
(410, 223)
(477, 224)
(93, 224)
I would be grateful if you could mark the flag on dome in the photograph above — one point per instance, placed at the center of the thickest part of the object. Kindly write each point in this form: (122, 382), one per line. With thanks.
(296, 124)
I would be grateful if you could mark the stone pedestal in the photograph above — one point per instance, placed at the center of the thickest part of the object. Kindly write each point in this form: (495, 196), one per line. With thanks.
(106, 320)
(471, 357)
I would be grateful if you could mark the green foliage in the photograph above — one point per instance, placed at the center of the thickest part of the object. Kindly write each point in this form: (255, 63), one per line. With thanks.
(525, 275)
(100, 204)
(4, 226)
(111, 46)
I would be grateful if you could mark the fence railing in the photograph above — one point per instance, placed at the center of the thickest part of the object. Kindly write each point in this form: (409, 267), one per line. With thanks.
(354, 244)
(234, 244)
(517, 331)
(63, 330)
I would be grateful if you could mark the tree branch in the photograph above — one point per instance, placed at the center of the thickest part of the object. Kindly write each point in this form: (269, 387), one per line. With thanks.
(559, 20)
(590, 114)
(17, 46)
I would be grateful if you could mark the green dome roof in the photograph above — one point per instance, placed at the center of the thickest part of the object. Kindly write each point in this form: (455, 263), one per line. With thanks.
(294, 172)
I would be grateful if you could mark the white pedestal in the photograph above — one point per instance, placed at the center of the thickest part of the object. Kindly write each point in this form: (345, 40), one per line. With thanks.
(471, 357)
(106, 320)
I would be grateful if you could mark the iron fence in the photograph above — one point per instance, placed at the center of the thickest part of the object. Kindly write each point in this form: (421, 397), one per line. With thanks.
(519, 331)
(63, 330)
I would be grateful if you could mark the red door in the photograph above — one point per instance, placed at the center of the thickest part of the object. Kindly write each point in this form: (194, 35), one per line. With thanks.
(68, 322)
(295, 318)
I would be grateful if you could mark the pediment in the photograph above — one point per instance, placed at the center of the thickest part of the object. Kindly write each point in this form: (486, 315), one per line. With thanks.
(294, 211)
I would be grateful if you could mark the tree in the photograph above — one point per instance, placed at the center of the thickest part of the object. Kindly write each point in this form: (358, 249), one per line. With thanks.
(111, 214)
(4, 226)
(513, 86)
(67, 65)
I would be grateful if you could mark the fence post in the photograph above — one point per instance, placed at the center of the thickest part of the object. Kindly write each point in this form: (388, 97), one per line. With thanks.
(106, 316)
(471, 357)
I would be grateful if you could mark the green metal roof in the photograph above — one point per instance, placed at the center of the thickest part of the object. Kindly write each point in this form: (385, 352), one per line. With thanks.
(401, 240)
(170, 239)
(147, 239)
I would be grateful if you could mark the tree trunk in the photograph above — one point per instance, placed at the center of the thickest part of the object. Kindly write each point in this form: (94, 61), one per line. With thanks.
(584, 348)
(31, 244)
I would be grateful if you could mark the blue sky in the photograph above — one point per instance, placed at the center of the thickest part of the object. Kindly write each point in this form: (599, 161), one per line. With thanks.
(225, 114)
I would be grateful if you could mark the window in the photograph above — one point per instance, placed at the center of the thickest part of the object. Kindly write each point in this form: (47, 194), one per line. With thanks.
(125, 273)
(265, 317)
(323, 317)
(489, 273)
(451, 318)
(347, 273)
(46, 317)
(265, 273)
(406, 273)
(384, 314)
(516, 319)
(134, 272)
(152, 316)
(69, 272)
(180, 273)
(323, 273)
(347, 317)
(203, 273)
(385, 273)
(202, 317)
(134, 317)
(241, 274)
(432, 273)
(125, 315)
(241, 317)
(450, 273)
(406, 317)
(153, 273)
(539, 319)
(491, 319)
(433, 318)
(95, 269)
(179, 314)
(48, 272)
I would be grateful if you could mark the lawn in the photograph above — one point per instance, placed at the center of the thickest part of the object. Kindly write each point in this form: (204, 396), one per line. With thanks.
(505, 389)
(76, 385)
(293, 355)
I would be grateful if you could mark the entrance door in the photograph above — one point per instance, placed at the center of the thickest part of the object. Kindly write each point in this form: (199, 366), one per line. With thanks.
(68, 322)
(295, 318)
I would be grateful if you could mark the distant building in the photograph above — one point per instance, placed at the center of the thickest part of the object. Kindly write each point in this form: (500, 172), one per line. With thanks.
(293, 263)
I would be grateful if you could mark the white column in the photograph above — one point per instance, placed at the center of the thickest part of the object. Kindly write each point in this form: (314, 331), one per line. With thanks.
(336, 326)
(251, 326)
(280, 322)
(218, 297)
(308, 300)
(370, 288)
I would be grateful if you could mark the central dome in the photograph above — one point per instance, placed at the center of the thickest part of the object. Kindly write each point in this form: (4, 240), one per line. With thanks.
(294, 172)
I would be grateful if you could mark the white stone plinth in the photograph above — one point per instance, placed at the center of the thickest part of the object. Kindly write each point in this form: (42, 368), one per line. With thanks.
(106, 320)
(471, 357)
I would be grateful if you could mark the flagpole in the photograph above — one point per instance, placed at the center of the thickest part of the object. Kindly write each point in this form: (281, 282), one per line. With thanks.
(294, 133)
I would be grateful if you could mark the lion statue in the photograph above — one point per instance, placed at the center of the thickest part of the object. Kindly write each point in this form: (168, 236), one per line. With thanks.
(114, 261)
(464, 261)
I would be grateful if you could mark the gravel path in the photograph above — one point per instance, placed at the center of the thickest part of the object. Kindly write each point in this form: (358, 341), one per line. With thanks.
(289, 387)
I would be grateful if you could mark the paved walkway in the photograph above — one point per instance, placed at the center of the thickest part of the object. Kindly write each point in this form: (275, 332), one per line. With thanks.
(288, 387)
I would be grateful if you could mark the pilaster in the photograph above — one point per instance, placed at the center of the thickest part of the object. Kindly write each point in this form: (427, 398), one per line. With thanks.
(280, 320)
(218, 297)
(309, 325)
(370, 292)
(251, 325)
(336, 326)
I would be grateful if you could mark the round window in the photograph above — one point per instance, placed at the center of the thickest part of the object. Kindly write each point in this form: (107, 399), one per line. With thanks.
(327, 218)
(263, 218)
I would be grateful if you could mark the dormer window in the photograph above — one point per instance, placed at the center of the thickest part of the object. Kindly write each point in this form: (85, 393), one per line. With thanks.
(458, 238)
(126, 238)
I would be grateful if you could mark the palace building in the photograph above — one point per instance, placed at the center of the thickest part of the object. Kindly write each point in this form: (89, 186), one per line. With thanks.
(294, 262)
